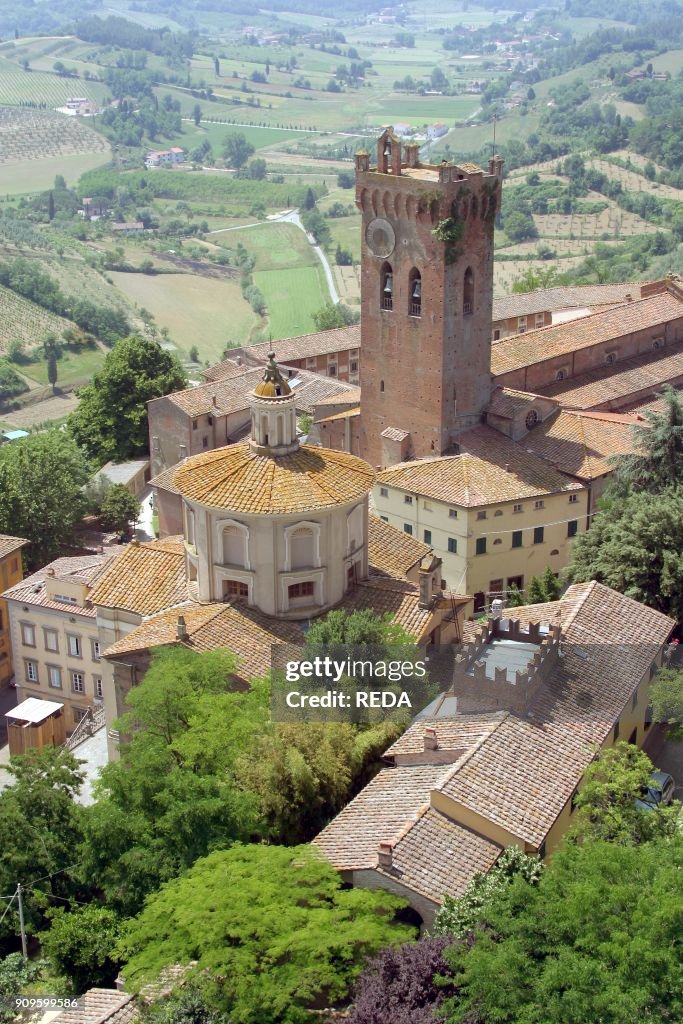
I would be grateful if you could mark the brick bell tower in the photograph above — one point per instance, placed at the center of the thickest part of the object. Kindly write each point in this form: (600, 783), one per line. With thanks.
(426, 298)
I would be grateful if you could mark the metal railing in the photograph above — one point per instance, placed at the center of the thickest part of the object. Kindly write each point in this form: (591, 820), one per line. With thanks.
(92, 720)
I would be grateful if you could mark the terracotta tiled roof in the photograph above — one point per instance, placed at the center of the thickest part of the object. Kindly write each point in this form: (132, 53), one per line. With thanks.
(350, 397)
(397, 598)
(509, 403)
(341, 339)
(345, 414)
(81, 569)
(239, 479)
(223, 371)
(550, 299)
(582, 444)
(244, 631)
(145, 578)
(437, 857)
(455, 736)
(391, 552)
(9, 544)
(517, 773)
(100, 1005)
(395, 434)
(231, 394)
(381, 812)
(522, 350)
(614, 384)
(478, 475)
(164, 480)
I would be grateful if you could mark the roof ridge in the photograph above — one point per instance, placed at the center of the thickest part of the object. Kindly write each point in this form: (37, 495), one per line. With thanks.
(578, 606)
(471, 751)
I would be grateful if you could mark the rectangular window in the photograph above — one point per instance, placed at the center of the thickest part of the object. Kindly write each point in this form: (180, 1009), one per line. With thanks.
(407, 528)
(28, 634)
(98, 687)
(427, 506)
(481, 546)
(481, 514)
(194, 424)
(51, 640)
(517, 538)
(540, 319)
(385, 519)
(634, 701)
(495, 588)
(539, 504)
(205, 442)
(408, 499)
(54, 676)
(14, 565)
(572, 527)
(453, 545)
(517, 508)
(65, 598)
(384, 492)
(332, 370)
(96, 650)
(74, 643)
(452, 513)
(615, 731)
(521, 324)
(78, 682)
(538, 534)
(305, 589)
(496, 335)
(235, 588)
(31, 671)
(573, 498)
(155, 445)
(353, 366)
(427, 536)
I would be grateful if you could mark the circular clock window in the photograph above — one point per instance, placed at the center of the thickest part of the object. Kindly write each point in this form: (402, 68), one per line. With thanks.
(531, 419)
(380, 237)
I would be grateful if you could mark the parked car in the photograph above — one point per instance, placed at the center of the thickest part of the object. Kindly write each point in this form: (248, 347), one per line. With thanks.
(660, 791)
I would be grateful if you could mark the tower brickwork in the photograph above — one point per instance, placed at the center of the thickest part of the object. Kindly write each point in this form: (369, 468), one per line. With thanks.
(426, 299)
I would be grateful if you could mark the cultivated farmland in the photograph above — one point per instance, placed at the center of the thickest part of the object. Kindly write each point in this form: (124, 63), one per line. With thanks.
(24, 321)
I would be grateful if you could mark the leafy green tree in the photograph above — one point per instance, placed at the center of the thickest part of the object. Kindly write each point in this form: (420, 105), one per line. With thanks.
(330, 316)
(316, 225)
(634, 546)
(120, 508)
(309, 199)
(595, 940)
(257, 169)
(197, 114)
(462, 914)
(80, 946)
(172, 797)
(606, 802)
(111, 419)
(15, 975)
(514, 598)
(40, 829)
(52, 371)
(272, 928)
(346, 179)
(41, 496)
(666, 696)
(520, 226)
(11, 383)
(237, 150)
(185, 1005)
(658, 462)
(552, 587)
(533, 279)
(534, 592)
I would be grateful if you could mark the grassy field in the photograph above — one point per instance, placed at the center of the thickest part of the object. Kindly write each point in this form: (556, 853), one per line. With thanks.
(196, 310)
(72, 368)
(18, 86)
(292, 296)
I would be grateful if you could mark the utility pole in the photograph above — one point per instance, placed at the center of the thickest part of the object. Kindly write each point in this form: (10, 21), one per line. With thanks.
(24, 950)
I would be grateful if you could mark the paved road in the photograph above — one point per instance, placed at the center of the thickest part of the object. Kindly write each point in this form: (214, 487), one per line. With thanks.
(292, 217)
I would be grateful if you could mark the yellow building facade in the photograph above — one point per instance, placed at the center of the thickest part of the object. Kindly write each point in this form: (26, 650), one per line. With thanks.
(11, 573)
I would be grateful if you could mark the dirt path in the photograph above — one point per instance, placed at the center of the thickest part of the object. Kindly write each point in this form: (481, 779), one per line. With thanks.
(52, 408)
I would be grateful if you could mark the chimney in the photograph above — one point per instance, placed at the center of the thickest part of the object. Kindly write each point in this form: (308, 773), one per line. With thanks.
(425, 582)
(214, 402)
(385, 855)
(50, 572)
(628, 297)
(430, 740)
(507, 467)
(239, 360)
(181, 628)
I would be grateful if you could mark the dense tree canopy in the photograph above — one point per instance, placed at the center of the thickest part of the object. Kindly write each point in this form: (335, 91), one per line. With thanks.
(666, 696)
(111, 419)
(41, 498)
(657, 464)
(272, 927)
(635, 546)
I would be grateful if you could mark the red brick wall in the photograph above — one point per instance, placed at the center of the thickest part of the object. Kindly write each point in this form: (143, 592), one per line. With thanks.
(428, 375)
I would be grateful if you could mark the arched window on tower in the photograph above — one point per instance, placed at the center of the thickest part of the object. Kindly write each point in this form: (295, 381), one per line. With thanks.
(415, 293)
(387, 286)
(468, 293)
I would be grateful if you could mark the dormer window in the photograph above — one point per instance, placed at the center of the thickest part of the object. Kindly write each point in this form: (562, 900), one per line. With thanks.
(415, 292)
(387, 295)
